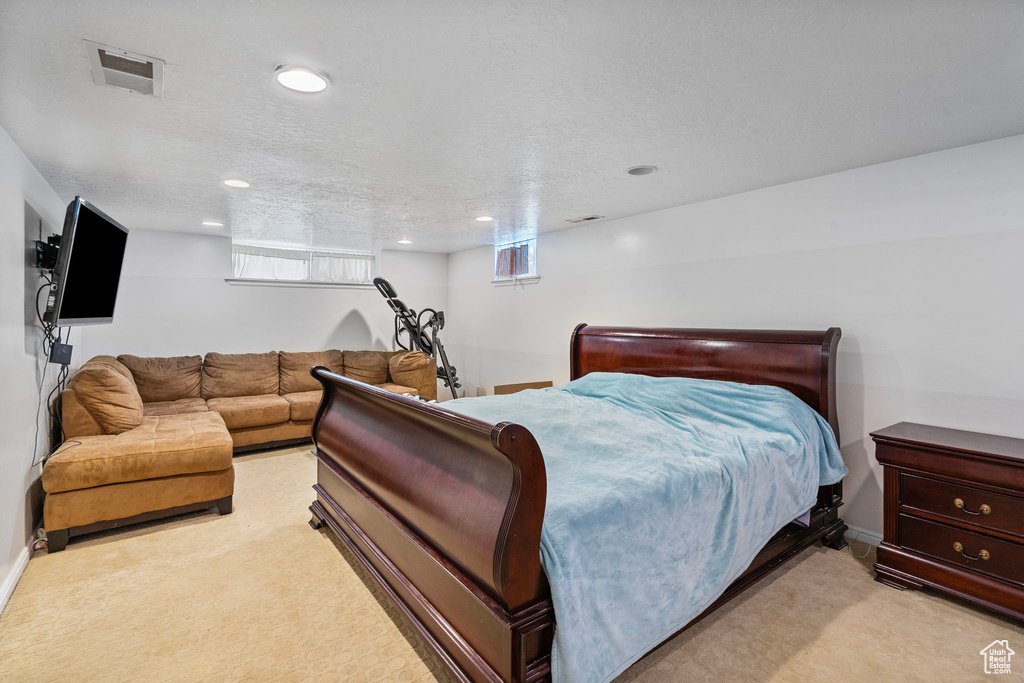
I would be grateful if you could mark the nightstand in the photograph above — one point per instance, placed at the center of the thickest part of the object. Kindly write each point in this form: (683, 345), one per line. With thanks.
(954, 514)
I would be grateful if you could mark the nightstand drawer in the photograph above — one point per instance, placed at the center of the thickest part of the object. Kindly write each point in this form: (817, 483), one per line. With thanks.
(963, 503)
(1005, 560)
(953, 465)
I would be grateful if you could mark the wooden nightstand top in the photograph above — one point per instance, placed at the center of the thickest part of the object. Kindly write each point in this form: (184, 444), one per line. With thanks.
(975, 443)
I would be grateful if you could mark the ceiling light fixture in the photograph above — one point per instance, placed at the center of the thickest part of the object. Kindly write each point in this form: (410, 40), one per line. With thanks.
(405, 240)
(301, 78)
(235, 182)
(485, 219)
(213, 224)
(641, 170)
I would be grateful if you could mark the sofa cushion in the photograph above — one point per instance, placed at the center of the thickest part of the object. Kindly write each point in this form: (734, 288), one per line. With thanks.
(165, 379)
(115, 365)
(179, 407)
(75, 420)
(366, 366)
(295, 368)
(304, 404)
(161, 446)
(251, 411)
(239, 374)
(407, 367)
(109, 394)
(396, 388)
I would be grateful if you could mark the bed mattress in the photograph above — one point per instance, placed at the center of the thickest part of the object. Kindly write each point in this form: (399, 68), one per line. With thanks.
(660, 492)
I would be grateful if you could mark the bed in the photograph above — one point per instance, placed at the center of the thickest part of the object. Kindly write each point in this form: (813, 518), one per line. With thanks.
(446, 511)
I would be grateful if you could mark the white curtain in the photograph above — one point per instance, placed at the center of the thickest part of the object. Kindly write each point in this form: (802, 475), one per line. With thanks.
(268, 263)
(335, 267)
(265, 263)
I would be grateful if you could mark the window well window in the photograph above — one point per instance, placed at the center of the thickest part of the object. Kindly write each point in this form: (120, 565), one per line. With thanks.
(267, 264)
(516, 260)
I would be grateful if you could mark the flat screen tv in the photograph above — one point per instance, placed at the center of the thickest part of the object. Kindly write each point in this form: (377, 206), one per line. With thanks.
(88, 267)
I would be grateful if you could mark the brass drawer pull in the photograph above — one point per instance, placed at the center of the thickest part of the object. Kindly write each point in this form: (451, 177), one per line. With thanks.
(983, 510)
(983, 555)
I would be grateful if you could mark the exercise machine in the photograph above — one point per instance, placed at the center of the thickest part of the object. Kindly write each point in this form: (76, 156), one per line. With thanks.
(420, 333)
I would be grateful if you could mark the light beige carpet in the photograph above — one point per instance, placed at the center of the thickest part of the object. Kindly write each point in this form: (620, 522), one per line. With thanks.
(258, 595)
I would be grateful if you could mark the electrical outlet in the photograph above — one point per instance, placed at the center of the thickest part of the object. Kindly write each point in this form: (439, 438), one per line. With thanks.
(479, 390)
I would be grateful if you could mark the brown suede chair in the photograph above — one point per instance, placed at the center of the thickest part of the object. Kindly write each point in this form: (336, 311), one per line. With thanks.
(151, 437)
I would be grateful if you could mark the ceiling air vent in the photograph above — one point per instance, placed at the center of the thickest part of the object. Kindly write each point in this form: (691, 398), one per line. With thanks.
(584, 219)
(126, 70)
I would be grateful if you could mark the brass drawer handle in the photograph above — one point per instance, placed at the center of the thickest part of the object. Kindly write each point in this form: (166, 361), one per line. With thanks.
(983, 510)
(983, 555)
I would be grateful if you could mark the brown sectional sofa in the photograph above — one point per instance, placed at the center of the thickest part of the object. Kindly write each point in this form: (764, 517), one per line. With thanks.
(150, 437)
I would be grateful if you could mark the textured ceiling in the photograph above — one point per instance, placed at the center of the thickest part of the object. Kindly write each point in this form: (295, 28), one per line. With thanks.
(529, 111)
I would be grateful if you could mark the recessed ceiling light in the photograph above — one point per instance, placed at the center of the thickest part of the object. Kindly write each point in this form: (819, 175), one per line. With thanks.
(301, 79)
(485, 219)
(213, 224)
(235, 182)
(405, 240)
(641, 170)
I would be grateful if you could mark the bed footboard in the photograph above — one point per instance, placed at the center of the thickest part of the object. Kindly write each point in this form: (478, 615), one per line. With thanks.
(445, 512)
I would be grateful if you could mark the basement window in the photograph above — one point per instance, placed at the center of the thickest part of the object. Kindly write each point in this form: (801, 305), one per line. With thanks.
(516, 261)
(253, 264)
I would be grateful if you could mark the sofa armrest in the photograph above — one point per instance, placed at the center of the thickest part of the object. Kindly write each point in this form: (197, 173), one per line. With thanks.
(414, 369)
(428, 387)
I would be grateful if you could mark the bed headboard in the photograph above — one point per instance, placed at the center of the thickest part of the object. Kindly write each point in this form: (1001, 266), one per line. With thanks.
(801, 362)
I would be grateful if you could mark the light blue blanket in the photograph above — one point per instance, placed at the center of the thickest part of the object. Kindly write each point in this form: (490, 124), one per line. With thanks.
(660, 493)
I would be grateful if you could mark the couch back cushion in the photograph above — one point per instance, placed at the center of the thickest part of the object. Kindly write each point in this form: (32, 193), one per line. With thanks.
(106, 389)
(407, 368)
(239, 374)
(75, 420)
(165, 379)
(367, 366)
(295, 367)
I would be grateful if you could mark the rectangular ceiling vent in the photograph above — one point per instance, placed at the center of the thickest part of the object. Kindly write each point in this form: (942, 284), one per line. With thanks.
(126, 70)
(584, 219)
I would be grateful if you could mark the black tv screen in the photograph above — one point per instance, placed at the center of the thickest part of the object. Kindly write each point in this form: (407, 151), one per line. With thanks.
(88, 267)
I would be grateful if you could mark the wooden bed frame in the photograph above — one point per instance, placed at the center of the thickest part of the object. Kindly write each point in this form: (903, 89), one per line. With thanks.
(445, 511)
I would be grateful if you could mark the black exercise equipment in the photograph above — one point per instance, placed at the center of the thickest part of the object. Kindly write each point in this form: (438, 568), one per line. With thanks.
(410, 323)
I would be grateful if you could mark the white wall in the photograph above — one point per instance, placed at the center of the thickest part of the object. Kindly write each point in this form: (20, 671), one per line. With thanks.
(173, 301)
(918, 260)
(20, 362)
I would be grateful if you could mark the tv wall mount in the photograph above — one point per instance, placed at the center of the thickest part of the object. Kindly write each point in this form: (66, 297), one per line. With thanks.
(420, 334)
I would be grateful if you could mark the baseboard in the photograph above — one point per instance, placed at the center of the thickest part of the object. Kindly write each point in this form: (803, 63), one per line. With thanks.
(7, 589)
(855, 533)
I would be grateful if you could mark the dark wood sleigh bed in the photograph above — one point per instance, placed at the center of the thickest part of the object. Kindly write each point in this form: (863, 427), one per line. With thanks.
(445, 511)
